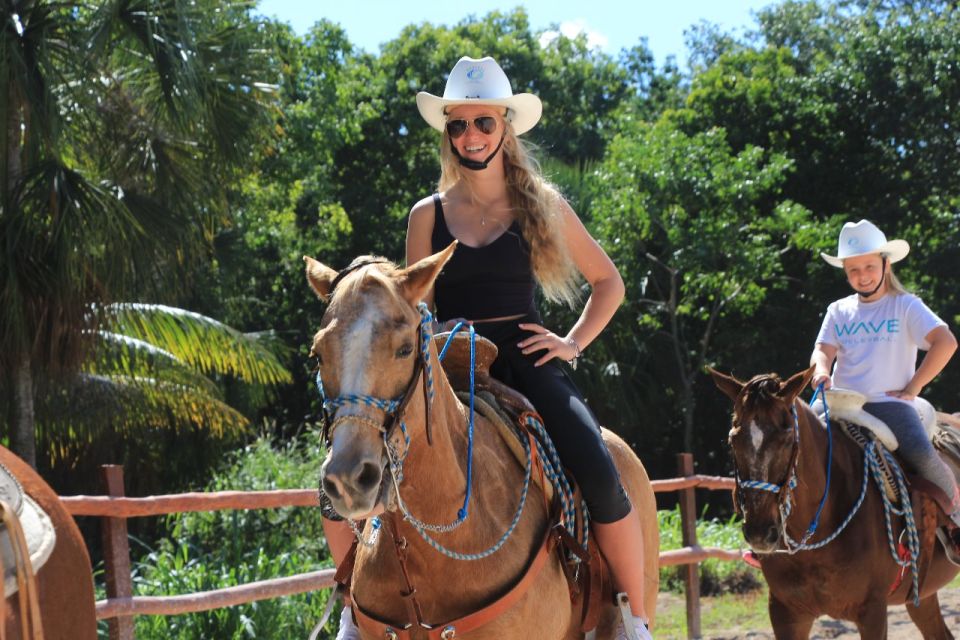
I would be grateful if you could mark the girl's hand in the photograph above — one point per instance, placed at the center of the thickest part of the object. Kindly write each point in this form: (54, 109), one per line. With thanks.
(546, 340)
(821, 378)
(903, 394)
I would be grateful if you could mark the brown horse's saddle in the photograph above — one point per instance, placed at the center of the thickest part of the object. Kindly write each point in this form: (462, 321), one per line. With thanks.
(942, 429)
(847, 405)
(495, 401)
(38, 532)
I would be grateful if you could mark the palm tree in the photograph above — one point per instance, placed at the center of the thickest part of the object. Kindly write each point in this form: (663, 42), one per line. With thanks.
(154, 366)
(119, 125)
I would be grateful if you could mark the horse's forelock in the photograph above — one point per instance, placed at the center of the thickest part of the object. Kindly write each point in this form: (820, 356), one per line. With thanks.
(758, 393)
(379, 272)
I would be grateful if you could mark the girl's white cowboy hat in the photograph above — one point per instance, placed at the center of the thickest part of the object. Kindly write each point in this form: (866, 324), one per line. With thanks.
(863, 238)
(482, 81)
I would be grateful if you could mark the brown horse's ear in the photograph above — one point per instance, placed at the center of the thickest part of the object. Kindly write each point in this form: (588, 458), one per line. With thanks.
(320, 277)
(730, 386)
(415, 281)
(797, 383)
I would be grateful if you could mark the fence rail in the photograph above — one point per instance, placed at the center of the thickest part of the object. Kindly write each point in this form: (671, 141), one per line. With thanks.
(120, 606)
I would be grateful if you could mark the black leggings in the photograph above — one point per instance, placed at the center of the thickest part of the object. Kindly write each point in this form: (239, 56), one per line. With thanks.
(566, 416)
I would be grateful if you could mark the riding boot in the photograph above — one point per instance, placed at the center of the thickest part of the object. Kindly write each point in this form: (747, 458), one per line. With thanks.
(621, 543)
(348, 630)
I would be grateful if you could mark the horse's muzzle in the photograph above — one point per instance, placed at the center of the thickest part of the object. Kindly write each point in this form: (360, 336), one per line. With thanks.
(763, 537)
(354, 486)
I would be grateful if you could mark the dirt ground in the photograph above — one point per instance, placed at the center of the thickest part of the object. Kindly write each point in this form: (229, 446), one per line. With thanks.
(899, 625)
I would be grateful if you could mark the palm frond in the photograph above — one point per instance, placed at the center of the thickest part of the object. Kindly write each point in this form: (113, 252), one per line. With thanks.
(199, 341)
(91, 405)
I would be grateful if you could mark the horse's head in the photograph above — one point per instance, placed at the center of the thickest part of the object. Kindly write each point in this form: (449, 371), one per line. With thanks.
(763, 442)
(367, 350)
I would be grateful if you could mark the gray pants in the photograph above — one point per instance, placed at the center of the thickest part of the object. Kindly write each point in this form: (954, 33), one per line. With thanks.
(915, 447)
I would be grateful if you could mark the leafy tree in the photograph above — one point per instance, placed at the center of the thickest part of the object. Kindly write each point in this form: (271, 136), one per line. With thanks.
(697, 232)
(120, 123)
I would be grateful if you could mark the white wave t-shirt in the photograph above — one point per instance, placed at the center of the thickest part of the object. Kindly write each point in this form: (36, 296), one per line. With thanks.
(877, 341)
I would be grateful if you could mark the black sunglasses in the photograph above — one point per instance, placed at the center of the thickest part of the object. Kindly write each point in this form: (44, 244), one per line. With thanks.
(484, 124)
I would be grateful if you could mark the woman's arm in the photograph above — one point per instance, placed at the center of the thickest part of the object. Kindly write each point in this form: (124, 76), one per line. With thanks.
(943, 344)
(419, 237)
(606, 294)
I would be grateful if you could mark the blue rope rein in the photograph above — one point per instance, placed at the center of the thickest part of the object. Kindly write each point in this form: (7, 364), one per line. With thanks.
(549, 458)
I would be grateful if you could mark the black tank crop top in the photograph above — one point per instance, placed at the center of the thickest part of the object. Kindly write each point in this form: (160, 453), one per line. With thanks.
(492, 281)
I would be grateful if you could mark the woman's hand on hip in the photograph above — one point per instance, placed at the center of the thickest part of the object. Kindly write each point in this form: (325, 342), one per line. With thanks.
(545, 340)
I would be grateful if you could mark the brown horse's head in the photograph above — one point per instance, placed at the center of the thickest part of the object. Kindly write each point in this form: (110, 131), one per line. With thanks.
(763, 442)
(367, 347)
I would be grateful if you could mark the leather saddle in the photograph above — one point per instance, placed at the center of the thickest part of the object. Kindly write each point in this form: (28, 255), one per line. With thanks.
(590, 585)
(943, 430)
(39, 535)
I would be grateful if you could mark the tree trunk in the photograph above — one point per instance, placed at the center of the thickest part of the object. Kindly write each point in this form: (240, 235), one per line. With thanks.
(22, 427)
(688, 406)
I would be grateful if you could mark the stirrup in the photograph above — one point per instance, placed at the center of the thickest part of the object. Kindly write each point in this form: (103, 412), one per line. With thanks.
(626, 616)
(950, 540)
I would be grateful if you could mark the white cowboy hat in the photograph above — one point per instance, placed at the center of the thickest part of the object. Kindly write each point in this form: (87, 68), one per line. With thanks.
(480, 81)
(863, 238)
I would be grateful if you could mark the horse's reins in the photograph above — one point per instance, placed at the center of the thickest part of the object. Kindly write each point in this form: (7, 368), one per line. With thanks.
(393, 419)
(870, 465)
(784, 490)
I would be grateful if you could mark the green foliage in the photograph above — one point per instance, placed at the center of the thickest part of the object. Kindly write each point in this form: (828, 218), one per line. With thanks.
(155, 367)
(716, 576)
(698, 232)
(214, 550)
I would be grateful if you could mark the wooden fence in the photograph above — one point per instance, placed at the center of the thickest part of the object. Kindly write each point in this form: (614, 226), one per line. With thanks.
(121, 606)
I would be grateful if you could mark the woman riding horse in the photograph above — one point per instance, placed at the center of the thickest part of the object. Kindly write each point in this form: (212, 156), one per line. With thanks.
(515, 231)
(430, 570)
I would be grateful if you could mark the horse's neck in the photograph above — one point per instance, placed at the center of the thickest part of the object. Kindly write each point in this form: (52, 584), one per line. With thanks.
(812, 464)
(435, 474)
(433, 492)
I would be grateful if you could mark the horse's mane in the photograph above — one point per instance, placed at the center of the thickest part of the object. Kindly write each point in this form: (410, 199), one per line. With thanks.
(759, 391)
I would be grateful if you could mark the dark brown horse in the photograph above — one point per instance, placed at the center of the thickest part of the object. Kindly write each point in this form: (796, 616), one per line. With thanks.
(775, 436)
(64, 583)
(368, 345)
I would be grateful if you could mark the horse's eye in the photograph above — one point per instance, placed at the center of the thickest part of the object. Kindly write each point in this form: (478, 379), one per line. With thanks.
(405, 351)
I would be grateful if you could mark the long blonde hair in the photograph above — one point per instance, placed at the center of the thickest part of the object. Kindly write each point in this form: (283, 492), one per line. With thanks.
(893, 283)
(536, 204)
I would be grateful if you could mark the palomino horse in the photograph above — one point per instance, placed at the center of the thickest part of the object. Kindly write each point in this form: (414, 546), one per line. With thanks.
(368, 348)
(64, 583)
(785, 479)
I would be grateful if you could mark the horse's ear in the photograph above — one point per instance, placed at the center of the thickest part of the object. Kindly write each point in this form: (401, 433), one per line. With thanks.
(730, 386)
(320, 277)
(415, 281)
(797, 382)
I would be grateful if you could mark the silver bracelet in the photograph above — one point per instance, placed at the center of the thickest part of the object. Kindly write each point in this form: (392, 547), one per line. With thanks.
(573, 361)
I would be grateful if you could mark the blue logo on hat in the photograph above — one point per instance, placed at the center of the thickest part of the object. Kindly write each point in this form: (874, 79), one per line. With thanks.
(853, 241)
(475, 73)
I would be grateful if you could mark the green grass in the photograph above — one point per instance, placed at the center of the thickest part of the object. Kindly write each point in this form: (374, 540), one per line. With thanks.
(718, 614)
(716, 576)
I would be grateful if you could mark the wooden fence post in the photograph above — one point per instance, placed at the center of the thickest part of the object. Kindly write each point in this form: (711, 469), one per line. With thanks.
(688, 528)
(116, 554)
